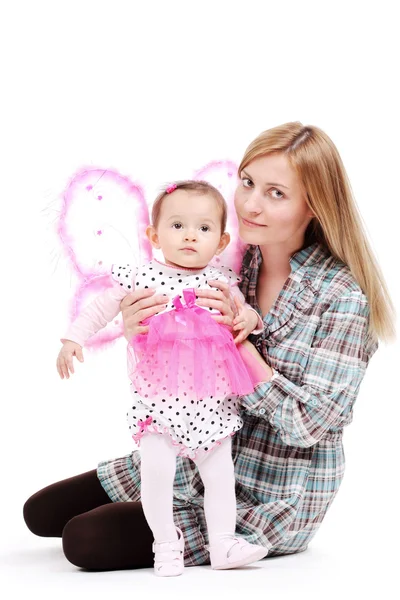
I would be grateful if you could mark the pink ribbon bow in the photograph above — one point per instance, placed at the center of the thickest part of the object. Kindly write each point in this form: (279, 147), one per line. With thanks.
(145, 424)
(189, 296)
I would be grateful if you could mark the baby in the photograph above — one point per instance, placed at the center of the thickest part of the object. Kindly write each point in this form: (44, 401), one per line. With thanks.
(185, 370)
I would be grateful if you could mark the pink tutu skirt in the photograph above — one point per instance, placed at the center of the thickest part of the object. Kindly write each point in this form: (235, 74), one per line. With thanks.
(187, 354)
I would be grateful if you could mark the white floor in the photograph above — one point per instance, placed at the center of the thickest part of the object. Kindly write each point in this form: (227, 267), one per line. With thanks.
(36, 568)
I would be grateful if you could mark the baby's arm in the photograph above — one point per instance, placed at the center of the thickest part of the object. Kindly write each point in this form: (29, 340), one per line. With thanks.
(95, 316)
(103, 309)
(247, 319)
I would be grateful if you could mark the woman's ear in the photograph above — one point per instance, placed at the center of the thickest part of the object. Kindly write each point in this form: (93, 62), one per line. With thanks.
(310, 212)
(153, 237)
(223, 242)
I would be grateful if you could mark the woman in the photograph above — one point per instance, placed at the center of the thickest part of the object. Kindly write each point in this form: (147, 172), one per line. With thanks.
(311, 275)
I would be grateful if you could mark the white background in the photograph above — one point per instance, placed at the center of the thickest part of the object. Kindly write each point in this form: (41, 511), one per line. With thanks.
(157, 90)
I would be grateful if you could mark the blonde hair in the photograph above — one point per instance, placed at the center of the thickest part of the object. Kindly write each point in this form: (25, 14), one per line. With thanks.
(199, 187)
(337, 224)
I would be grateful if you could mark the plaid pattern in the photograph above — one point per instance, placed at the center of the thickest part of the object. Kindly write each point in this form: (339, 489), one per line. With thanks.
(289, 459)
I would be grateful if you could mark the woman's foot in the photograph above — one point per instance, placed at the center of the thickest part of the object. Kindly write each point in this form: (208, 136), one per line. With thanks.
(236, 552)
(168, 557)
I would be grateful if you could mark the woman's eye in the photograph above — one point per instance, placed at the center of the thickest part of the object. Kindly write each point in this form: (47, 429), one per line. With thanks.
(177, 225)
(205, 228)
(279, 192)
(247, 182)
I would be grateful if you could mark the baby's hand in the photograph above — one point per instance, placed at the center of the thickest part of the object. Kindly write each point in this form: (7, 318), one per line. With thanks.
(245, 321)
(64, 359)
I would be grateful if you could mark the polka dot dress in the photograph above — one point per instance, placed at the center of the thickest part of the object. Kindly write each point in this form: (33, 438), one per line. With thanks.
(196, 425)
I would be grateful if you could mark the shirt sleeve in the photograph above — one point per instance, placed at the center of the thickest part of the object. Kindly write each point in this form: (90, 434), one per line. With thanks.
(337, 360)
(102, 310)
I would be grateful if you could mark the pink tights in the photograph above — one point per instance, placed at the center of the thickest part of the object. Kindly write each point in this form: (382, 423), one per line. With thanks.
(158, 460)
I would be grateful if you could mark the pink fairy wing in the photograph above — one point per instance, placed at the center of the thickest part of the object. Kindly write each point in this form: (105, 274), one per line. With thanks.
(223, 175)
(103, 219)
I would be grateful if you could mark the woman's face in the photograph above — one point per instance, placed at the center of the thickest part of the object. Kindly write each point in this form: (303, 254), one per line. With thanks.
(270, 203)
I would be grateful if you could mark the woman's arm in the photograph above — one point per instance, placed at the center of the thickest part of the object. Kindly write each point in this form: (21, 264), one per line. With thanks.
(336, 364)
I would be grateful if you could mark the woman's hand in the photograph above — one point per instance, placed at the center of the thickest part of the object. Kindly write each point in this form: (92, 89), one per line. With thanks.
(65, 364)
(137, 307)
(219, 299)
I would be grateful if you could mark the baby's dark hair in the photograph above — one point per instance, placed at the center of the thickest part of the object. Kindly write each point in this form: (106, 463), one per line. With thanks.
(199, 187)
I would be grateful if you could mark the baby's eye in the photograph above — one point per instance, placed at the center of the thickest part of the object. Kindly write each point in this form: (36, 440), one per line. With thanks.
(177, 225)
(205, 228)
(247, 182)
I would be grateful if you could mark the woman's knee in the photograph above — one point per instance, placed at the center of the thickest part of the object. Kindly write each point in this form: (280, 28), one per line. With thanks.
(79, 542)
(114, 536)
(37, 518)
(30, 515)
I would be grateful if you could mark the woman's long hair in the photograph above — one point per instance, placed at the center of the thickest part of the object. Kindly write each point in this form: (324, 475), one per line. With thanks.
(337, 223)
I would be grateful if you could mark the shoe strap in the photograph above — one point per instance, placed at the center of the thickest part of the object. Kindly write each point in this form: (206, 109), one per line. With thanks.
(166, 557)
(162, 547)
(234, 542)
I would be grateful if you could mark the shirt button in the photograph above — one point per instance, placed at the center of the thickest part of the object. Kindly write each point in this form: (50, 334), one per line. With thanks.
(315, 402)
(262, 411)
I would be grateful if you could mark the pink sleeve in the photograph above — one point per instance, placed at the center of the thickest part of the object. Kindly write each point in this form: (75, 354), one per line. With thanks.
(103, 309)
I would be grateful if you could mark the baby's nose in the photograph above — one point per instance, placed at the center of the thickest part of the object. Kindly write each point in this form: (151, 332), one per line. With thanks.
(190, 235)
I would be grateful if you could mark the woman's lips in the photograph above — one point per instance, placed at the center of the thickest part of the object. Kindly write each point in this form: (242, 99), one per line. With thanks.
(251, 224)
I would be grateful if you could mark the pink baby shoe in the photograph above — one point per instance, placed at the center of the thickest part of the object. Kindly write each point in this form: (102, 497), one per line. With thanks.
(168, 557)
(236, 552)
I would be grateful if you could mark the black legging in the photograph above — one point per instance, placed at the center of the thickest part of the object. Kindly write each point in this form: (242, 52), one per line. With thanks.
(97, 534)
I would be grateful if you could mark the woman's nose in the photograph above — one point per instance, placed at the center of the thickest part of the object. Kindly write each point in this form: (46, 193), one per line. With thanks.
(252, 203)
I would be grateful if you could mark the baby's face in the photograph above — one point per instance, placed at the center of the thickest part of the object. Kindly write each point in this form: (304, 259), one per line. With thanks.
(189, 229)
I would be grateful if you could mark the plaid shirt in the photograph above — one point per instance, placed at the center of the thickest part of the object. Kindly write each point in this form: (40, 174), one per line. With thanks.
(289, 459)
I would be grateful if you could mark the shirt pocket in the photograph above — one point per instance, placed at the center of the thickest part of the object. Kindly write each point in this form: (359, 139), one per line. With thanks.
(290, 313)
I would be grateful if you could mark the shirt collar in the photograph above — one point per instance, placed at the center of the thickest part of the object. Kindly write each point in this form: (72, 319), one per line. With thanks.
(307, 257)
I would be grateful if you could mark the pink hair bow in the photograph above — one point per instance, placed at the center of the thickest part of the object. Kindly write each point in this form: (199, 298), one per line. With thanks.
(171, 188)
